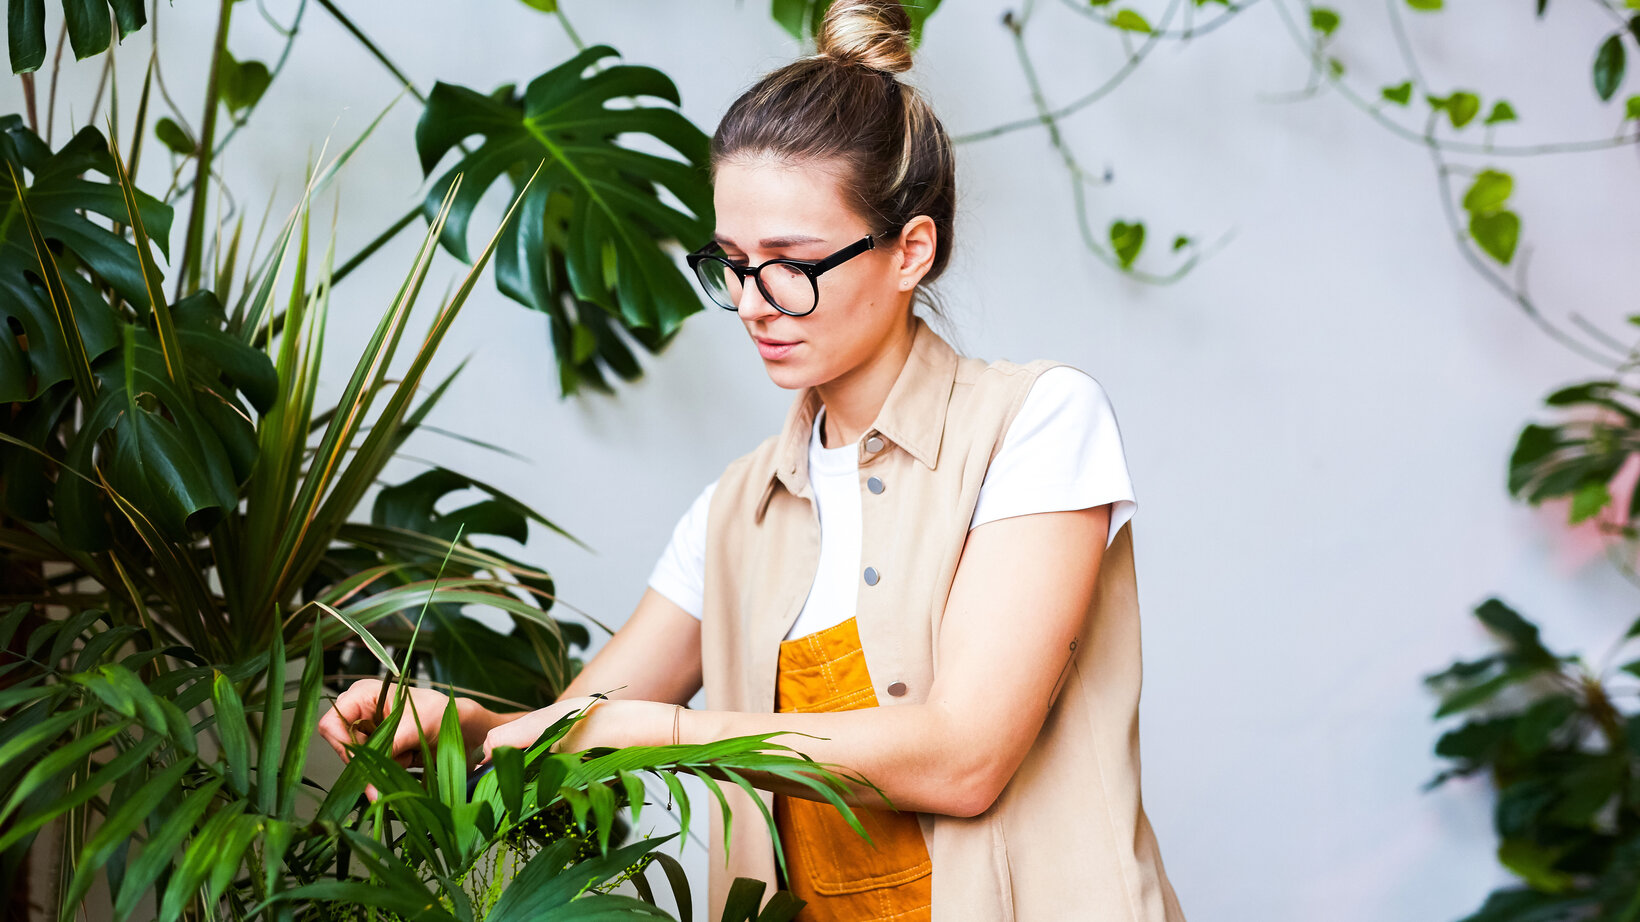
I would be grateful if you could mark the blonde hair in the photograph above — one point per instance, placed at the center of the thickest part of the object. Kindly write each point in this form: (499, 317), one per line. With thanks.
(843, 105)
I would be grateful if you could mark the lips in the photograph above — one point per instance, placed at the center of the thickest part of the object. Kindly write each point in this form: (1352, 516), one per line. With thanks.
(774, 349)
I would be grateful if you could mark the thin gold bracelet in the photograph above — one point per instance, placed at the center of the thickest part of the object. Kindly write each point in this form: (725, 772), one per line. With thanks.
(677, 711)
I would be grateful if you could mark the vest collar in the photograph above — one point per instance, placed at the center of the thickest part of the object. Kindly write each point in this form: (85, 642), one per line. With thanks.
(912, 416)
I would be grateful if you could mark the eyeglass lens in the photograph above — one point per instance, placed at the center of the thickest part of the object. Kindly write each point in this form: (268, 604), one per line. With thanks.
(787, 286)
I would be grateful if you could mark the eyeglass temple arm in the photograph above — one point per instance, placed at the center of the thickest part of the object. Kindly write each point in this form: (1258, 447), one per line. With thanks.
(848, 252)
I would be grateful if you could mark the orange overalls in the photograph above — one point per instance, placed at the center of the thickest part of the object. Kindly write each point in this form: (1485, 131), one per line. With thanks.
(840, 875)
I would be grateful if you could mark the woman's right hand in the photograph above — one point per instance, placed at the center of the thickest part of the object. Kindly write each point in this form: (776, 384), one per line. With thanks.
(353, 718)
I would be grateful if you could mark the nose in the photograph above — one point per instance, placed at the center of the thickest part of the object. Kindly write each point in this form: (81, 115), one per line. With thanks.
(752, 304)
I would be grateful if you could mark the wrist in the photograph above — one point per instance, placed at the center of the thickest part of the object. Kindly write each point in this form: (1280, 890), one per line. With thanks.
(650, 723)
(619, 722)
(476, 721)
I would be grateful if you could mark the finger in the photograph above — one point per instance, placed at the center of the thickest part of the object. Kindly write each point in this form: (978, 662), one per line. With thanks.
(332, 731)
(338, 720)
(406, 740)
(330, 725)
(359, 703)
(370, 792)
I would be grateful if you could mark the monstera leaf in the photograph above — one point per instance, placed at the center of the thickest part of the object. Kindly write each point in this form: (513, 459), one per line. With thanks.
(587, 249)
(176, 455)
(88, 29)
(158, 386)
(56, 197)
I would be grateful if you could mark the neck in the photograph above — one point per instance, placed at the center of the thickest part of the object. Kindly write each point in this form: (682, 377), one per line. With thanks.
(854, 398)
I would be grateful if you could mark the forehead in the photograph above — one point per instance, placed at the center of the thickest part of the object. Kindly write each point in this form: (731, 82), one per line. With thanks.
(762, 198)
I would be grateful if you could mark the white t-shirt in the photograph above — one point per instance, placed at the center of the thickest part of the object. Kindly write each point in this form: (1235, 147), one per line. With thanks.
(1063, 451)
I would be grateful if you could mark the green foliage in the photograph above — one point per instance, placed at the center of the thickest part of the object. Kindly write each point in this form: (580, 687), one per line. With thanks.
(242, 82)
(1126, 240)
(87, 22)
(1562, 756)
(54, 203)
(1460, 106)
(1501, 112)
(1609, 63)
(587, 250)
(173, 136)
(241, 825)
(1579, 457)
(178, 510)
(1495, 228)
(802, 18)
(1129, 20)
(1323, 19)
(1544, 726)
(161, 452)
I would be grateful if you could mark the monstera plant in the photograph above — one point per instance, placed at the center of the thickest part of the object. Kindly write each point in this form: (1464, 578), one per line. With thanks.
(86, 25)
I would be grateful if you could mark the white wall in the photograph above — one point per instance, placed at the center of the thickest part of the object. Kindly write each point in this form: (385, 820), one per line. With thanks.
(1317, 419)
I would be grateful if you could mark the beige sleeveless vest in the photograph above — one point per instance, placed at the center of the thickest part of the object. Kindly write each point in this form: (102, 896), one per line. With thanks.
(1067, 838)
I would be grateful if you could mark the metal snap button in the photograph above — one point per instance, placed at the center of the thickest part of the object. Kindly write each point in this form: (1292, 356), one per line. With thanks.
(874, 485)
(871, 576)
(897, 689)
(874, 444)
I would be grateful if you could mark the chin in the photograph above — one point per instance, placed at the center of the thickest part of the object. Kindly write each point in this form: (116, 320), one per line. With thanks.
(789, 377)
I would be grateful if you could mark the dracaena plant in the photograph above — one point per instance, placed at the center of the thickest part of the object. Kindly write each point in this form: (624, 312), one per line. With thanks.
(163, 461)
(199, 776)
(166, 462)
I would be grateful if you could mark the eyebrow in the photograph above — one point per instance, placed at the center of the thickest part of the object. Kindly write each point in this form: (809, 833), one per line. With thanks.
(774, 243)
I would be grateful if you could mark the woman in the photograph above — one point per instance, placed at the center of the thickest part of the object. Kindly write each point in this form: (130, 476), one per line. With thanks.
(928, 569)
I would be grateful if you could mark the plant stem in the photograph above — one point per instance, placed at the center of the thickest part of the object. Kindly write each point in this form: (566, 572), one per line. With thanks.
(188, 280)
(51, 94)
(28, 99)
(370, 46)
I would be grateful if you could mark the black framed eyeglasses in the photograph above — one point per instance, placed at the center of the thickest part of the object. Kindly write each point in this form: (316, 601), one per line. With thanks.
(791, 285)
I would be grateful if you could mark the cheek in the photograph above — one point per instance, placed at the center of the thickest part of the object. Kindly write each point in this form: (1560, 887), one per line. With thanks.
(850, 331)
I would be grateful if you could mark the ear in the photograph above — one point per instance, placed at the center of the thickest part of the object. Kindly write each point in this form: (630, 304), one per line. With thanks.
(915, 251)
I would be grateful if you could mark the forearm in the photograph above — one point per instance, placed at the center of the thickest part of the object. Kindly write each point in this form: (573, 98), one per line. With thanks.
(919, 755)
(477, 720)
(916, 754)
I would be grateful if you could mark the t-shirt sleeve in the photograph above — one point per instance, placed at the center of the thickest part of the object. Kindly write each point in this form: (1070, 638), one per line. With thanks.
(680, 573)
(1063, 451)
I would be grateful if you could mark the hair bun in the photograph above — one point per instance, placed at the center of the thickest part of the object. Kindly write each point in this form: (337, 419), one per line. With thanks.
(875, 34)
